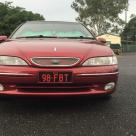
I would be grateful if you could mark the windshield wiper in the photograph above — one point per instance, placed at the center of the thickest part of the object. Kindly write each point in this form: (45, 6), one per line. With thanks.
(42, 36)
(36, 36)
(80, 37)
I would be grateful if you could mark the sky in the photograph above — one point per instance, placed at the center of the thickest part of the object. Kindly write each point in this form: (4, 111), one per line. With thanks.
(59, 10)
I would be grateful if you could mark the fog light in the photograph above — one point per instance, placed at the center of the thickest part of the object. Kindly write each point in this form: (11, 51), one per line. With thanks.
(1, 87)
(109, 86)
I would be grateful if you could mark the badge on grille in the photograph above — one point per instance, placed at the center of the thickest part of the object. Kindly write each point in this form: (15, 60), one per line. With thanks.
(55, 62)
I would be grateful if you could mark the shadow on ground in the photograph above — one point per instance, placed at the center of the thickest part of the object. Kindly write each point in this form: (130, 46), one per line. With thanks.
(59, 103)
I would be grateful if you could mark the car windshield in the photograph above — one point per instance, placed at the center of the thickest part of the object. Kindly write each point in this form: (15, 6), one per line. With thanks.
(52, 30)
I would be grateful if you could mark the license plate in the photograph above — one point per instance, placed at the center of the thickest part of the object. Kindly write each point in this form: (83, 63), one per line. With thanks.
(55, 77)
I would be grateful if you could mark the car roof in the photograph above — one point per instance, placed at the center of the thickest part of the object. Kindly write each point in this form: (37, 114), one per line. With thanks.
(52, 22)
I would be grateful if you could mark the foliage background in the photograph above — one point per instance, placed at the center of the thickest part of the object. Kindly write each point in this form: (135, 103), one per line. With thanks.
(101, 15)
(11, 17)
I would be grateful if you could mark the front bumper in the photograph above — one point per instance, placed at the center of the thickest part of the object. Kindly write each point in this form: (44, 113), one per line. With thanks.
(23, 81)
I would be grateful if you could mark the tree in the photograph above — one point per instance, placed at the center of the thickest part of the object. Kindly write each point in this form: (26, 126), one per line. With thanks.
(11, 17)
(132, 16)
(101, 15)
(129, 33)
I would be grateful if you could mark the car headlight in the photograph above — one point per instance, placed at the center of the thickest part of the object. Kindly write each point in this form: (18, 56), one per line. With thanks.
(101, 61)
(15, 61)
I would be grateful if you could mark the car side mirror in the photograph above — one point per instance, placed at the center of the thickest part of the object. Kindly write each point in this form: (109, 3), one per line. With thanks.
(3, 38)
(102, 40)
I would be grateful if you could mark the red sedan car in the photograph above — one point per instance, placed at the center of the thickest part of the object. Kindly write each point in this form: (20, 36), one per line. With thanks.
(43, 58)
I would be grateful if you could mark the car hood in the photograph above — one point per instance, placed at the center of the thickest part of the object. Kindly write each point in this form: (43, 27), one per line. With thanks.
(54, 48)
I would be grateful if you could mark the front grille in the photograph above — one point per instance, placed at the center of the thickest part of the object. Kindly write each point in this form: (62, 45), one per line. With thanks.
(52, 88)
(55, 61)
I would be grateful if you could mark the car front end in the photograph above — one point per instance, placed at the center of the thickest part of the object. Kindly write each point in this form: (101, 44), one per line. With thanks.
(57, 81)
